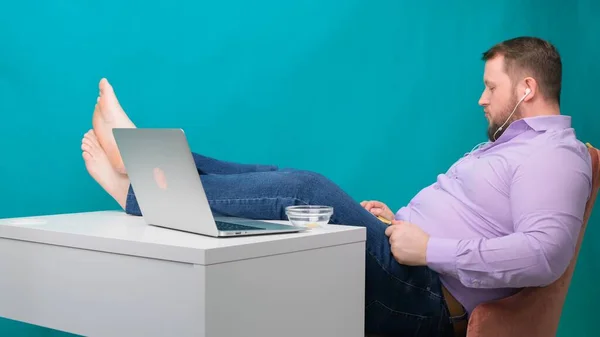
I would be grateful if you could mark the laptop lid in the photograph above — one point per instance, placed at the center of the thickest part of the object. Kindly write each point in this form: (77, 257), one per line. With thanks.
(165, 180)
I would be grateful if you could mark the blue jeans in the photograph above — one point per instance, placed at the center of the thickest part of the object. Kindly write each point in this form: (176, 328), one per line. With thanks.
(400, 300)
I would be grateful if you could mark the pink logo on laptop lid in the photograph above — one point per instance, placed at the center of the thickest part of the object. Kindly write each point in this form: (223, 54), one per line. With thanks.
(160, 178)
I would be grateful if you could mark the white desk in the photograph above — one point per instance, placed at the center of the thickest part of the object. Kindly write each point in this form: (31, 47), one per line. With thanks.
(109, 274)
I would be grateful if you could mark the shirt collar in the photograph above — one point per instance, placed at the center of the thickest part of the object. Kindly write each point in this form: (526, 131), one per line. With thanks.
(553, 122)
(538, 123)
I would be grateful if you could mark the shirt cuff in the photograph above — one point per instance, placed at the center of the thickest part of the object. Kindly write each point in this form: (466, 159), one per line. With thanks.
(441, 255)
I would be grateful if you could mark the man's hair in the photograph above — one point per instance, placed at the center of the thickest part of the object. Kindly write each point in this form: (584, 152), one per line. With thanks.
(531, 56)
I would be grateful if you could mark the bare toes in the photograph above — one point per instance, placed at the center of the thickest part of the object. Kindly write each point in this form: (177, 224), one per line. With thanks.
(86, 156)
(91, 137)
(86, 147)
(95, 141)
(87, 140)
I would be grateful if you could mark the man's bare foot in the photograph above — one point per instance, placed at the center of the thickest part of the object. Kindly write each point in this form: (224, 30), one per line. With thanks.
(99, 167)
(108, 114)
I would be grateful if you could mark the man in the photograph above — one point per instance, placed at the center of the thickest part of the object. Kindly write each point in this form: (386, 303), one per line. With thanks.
(503, 217)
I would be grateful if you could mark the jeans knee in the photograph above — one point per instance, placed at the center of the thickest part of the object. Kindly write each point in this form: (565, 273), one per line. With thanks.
(310, 184)
(310, 179)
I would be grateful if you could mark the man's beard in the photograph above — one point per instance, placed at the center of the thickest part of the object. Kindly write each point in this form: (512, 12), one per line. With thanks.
(497, 122)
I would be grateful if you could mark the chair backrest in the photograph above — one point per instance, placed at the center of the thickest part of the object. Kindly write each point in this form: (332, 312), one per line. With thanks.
(595, 154)
(534, 311)
(559, 289)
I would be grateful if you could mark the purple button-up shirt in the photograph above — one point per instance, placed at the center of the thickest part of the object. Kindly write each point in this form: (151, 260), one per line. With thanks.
(508, 214)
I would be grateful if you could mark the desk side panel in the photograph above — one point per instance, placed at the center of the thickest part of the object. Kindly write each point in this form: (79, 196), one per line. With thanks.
(317, 292)
(99, 294)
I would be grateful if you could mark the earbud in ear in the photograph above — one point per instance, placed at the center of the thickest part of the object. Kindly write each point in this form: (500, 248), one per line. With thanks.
(527, 91)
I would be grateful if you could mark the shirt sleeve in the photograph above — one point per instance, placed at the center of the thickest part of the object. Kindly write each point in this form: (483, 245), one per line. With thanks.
(548, 194)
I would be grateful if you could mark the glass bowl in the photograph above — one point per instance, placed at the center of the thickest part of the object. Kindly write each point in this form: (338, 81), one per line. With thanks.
(310, 216)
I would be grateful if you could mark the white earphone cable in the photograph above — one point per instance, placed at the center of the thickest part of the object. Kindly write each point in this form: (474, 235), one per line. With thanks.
(527, 91)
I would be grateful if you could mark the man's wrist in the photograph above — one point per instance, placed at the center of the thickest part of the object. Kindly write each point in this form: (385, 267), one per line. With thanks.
(441, 255)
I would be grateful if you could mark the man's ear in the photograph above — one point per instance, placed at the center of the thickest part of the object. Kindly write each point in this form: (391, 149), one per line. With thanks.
(531, 84)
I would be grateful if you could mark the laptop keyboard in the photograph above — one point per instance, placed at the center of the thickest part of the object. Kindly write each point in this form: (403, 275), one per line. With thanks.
(227, 226)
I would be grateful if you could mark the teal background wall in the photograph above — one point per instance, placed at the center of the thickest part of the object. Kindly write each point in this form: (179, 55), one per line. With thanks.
(380, 96)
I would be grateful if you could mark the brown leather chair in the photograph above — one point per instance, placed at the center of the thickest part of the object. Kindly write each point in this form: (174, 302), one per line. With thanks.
(532, 312)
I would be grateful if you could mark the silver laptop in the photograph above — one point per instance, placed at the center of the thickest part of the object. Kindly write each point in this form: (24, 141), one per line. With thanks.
(168, 188)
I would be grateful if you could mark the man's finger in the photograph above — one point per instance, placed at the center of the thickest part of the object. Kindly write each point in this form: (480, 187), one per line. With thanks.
(376, 211)
(389, 230)
(397, 222)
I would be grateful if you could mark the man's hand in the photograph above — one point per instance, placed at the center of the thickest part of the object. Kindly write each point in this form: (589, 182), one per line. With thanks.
(408, 243)
(378, 208)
